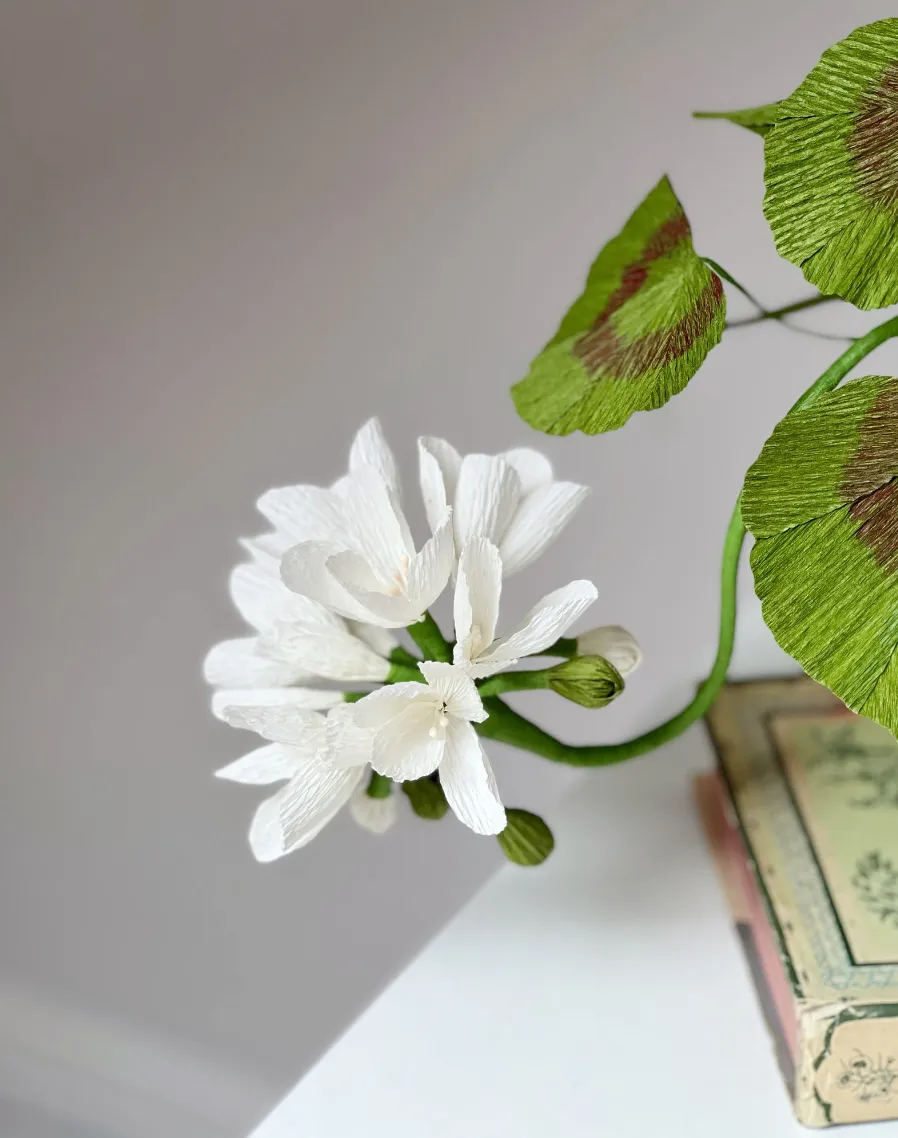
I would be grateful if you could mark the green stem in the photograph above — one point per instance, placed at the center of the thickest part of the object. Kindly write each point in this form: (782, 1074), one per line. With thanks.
(566, 646)
(779, 313)
(426, 634)
(508, 726)
(515, 681)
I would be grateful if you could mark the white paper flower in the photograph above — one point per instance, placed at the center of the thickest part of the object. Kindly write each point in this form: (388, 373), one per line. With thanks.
(352, 549)
(297, 638)
(615, 644)
(324, 760)
(477, 591)
(512, 499)
(421, 727)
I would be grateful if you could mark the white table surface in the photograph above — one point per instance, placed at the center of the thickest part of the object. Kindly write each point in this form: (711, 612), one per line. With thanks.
(603, 995)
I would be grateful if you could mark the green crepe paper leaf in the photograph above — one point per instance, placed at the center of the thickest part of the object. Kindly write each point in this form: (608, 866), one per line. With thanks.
(831, 170)
(526, 839)
(822, 501)
(757, 119)
(650, 313)
(426, 797)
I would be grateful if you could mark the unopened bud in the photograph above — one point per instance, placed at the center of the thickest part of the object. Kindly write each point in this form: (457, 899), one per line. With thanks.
(591, 681)
(526, 839)
(615, 644)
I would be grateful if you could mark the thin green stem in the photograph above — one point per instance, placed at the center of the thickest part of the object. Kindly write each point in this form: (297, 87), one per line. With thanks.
(537, 680)
(566, 646)
(779, 313)
(508, 726)
(433, 644)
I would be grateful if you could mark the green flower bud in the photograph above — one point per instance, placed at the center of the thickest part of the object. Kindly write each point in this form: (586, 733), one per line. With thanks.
(591, 681)
(427, 797)
(526, 839)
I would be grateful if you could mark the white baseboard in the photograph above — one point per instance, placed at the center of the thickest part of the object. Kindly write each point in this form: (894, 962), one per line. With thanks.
(94, 1072)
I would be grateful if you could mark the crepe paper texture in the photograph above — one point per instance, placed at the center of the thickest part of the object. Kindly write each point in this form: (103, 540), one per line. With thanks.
(822, 500)
(811, 797)
(648, 316)
(831, 170)
(759, 120)
(526, 840)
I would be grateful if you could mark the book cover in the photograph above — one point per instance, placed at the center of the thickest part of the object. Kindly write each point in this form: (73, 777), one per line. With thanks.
(803, 819)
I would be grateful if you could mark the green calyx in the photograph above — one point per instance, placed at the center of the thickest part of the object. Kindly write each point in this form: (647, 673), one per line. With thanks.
(526, 839)
(426, 797)
(831, 170)
(591, 681)
(647, 318)
(759, 120)
(822, 502)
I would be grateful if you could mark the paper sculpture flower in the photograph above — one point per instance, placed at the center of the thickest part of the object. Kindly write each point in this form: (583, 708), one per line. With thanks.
(511, 499)
(419, 728)
(476, 611)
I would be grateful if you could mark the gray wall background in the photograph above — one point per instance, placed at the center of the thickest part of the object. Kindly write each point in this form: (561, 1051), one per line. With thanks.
(231, 232)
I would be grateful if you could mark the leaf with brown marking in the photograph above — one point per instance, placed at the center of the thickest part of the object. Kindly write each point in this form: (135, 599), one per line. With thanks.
(831, 170)
(822, 502)
(650, 313)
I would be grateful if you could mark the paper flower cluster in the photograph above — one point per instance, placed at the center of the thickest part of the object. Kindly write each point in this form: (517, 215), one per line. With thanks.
(325, 591)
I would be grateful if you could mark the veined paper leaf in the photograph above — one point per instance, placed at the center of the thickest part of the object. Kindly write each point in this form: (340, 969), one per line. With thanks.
(831, 170)
(822, 501)
(757, 119)
(650, 313)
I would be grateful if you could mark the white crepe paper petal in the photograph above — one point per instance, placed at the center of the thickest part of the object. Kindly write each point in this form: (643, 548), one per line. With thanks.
(616, 644)
(538, 521)
(485, 499)
(272, 763)
(306, 699)
(404, 747)
(532, 468)
(468, 782)
(478, 588)
(312, 798)
(242, 663)
(370, 449)
(549, 619)
(439, 464)
(455, 688)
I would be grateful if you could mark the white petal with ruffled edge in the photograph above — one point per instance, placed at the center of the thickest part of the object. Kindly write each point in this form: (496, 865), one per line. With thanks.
(478, 588)
(549, 619)
(468, 782)
(370, 449)
(538, 520)
(439, 464)
(307, 699)
(243, 663)
(298, 812)
(486, 498)
(616, 644)
(306, 570)
(532, 468)
(274, 762)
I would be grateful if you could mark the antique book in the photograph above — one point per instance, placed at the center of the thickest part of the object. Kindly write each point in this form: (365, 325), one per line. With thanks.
(802, 816)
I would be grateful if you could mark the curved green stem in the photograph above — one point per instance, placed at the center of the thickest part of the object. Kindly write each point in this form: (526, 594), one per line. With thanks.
(508, 726)
(537, 680)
